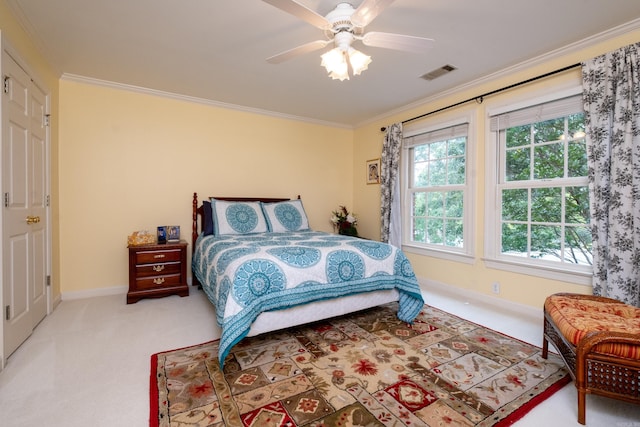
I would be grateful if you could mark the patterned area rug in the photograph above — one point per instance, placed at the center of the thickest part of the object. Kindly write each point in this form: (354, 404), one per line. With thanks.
(363, 369)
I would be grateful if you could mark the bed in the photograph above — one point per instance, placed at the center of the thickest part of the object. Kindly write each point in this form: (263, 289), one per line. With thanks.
(264, 269)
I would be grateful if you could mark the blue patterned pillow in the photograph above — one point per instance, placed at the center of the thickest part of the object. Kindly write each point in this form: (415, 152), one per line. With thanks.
(286, 216)
(237, 217)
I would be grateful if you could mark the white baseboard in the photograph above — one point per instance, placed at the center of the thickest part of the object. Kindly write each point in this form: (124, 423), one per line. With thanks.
(55, 303)
(90, 293)
(474, 297)
(100, 292)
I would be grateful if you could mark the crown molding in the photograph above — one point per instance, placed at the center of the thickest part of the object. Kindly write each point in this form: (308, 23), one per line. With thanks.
(196, 100)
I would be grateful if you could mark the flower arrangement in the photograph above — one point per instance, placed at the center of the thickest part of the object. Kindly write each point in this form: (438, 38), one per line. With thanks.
(344, 221)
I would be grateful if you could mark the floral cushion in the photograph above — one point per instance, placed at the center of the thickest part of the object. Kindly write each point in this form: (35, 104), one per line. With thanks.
(576, 317)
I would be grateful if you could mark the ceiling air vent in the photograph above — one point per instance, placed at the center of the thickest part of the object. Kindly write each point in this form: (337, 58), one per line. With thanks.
(438, 72)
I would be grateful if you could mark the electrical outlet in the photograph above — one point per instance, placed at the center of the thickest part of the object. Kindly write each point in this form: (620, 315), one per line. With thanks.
(496, 287)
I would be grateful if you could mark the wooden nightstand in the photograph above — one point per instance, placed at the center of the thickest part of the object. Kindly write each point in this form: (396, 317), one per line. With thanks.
(157, 271)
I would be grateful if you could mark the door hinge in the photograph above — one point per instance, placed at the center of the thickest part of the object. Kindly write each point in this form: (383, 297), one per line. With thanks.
(7, 311)
(5, 84)
(6, 200)
(47, 119)
(48, 201)
(48, 280)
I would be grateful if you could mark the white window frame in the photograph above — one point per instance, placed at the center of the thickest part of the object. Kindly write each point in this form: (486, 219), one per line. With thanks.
(465, 254)
(493, 258)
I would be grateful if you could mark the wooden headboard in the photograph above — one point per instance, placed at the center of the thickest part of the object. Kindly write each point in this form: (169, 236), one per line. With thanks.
(198, 210)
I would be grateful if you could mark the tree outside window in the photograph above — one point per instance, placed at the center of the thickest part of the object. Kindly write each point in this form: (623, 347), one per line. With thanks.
(543, 191)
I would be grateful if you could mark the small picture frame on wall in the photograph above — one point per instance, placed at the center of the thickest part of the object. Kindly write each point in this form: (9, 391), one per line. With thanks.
(173, 233)
(373, 171)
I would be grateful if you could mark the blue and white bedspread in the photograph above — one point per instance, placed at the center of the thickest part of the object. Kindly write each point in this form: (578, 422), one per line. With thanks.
(244, 275)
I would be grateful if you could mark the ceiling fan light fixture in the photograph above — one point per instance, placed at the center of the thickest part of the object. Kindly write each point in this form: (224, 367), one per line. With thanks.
(335, 61)
(359, 61)
(332, 59)
(336, 64)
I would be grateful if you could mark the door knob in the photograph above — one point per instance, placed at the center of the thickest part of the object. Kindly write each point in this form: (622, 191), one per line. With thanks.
(33, 219)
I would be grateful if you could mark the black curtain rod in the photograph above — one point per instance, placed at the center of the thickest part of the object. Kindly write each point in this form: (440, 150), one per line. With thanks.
(480, 98)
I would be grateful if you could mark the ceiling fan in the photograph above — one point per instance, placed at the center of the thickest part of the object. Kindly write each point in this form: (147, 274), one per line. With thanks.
(342, 26)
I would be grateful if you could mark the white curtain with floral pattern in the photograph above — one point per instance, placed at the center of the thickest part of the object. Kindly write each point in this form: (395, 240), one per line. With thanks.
(611, 95)
(391, 221)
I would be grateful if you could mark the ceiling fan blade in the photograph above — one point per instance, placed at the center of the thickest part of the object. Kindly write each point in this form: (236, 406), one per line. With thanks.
(368, 10)
(300, 11)
(398, 42)
(305, 48)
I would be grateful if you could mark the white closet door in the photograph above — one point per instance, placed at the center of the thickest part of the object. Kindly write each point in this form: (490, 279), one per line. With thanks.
(24, 222)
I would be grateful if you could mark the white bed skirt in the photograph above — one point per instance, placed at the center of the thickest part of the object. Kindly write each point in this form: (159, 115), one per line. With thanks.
(280, 319)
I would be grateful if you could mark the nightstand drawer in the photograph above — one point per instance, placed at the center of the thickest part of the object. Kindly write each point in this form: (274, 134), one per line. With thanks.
(158, 282)
(158, 269)
(150, 257)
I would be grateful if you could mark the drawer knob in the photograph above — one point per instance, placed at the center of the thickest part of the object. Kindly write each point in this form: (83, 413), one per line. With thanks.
(158, 280)
(158, 267)
(159, 256)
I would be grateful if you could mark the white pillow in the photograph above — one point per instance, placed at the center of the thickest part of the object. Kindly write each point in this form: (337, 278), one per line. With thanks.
(237, 217)
(286, 216)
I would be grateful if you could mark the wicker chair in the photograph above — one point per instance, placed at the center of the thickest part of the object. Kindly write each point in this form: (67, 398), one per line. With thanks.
(588, 353)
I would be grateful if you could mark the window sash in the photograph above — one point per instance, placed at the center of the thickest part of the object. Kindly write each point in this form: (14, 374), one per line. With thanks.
(530, 116)
(443, 134)
(537, 113)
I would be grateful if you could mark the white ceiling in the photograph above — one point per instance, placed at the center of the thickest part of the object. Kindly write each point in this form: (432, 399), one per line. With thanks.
(216, 49)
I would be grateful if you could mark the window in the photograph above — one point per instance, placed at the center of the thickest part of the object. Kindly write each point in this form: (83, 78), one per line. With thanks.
(541, 188)
(437, 190)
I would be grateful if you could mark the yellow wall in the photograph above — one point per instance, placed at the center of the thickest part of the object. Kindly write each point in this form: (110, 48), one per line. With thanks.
(131, 161)
(475, 277)
(38, 66)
